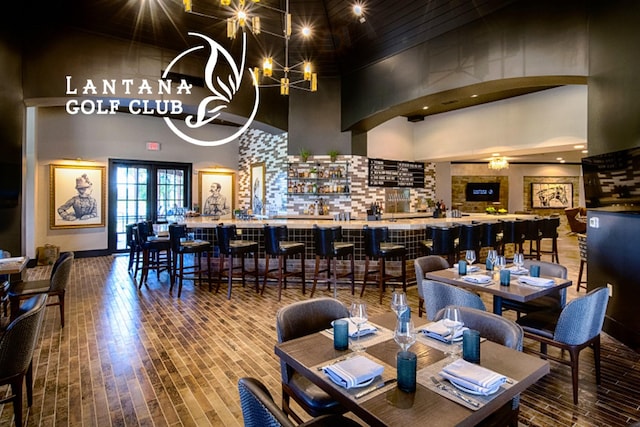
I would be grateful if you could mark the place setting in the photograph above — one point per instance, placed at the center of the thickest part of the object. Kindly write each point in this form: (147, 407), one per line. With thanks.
(445, 334)
(356, 329)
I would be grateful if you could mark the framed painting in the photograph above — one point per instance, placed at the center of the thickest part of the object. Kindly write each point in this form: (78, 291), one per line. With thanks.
(551, 195)
(76, 196)
(216, 192)
(257, 188)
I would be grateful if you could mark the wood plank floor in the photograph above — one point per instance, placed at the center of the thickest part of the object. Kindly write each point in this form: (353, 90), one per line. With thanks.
(145, 358)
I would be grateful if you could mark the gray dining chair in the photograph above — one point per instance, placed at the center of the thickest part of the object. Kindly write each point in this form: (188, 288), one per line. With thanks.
(259, 409)
(422, 266)
(296, 320)
(439, 295)
(577, 326)
(17, 345)
(502, 331)
(553, 301)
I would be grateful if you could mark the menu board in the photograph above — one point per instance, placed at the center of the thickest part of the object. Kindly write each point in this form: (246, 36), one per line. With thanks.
(395, 173)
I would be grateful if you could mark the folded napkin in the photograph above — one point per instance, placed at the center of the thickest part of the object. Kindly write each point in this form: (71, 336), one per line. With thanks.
(365, 329)
(356, 371)
(437, 330)
(11, 259)
(473, 377)
(477, 278)
(518, 270)
(470, 268)
(536, 281)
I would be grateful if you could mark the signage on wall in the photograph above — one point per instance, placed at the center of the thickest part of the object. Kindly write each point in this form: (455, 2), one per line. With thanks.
(99, 97)
(395, 173)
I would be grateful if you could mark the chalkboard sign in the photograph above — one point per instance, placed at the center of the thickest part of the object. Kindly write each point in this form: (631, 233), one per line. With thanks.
(395, 173)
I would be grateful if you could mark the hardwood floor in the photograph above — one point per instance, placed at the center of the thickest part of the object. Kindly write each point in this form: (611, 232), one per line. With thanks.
(128, 357)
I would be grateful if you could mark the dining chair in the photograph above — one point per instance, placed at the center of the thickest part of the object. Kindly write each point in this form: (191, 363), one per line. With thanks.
(422, 266)
(438, 295)
(552, 301)
(296, 320)
(577, 326)
(502, 331)
(17, 345)
(55, 286)
(259, 409)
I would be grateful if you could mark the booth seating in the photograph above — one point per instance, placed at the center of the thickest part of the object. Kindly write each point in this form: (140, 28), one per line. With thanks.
(378, 247)
(329, 245)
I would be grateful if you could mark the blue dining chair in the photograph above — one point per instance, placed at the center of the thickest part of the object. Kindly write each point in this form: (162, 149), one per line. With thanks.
(439, 295)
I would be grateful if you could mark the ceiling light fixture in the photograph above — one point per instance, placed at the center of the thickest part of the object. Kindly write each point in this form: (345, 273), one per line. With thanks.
(244, 16)
(498, 163)
(358, 11)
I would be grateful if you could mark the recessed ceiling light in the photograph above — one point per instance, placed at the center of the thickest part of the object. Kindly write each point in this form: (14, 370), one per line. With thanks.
(562, 161)
(579, 146)
(558, 158)
(495, 154)
(584, 151)
(426, 107)
(474, 96)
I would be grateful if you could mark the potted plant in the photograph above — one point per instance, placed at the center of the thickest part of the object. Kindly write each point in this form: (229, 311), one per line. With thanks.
(304, 154)
(333, 154)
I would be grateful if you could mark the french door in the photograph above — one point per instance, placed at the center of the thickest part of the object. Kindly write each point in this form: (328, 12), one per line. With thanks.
(142, 190)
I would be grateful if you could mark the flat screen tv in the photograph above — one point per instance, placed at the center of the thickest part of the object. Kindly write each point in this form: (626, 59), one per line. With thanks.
(612, 179)
(483, 192)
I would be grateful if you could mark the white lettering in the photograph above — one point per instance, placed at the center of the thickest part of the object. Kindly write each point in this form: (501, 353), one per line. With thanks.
(88, 106)
(109, 87)
(89, 88)
(164, 87)
(69, 91)
(127, 83)
(144, 88)
(184, 87)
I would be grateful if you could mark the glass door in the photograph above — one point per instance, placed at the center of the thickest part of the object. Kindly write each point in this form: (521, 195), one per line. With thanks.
(141, 191)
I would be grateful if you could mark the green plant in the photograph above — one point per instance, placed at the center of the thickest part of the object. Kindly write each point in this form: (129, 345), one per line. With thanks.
(333, 154)
(304, 154)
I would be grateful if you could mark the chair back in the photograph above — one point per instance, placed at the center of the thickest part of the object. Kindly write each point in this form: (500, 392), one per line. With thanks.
(273, 235)
(19, 340)
(469, 236)
(176, 232)
(324, 238)
(145, 229)
(582, 318)
(444, 240)
(489, 234)
(426, 264)
(551, 269)
(513, 231)
(439, 295)
(131, 240)
(532, 229)
(258, 407)
(372, 237)
(306, 317)
(224, 235)
(549, 228)
(61, 272)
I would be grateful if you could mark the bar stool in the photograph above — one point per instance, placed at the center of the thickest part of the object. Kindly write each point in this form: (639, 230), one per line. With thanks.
(582, 246)
(512, 233)
(328, 245)
(135, 252)
(156, 252)
(277, 245)
(377, 246)
(231, 246)
(490, 235)
(469, 239)
(532, 234)
(442, 242)
(549, 230)
(181, 247)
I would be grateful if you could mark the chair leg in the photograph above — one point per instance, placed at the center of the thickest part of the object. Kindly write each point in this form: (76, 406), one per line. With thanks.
(366, 275)
(61, 303)
(281, 273)
(230, 283)
(16, 389)
(266, 272)
(420, 306)
(255, 271)
(574, 356)
(352, 262)
(304, 284)
(383, 272)
(315, 275)
(596, 357)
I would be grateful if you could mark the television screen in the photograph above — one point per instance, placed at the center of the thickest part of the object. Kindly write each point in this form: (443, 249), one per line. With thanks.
(612, 179)
(483, 192)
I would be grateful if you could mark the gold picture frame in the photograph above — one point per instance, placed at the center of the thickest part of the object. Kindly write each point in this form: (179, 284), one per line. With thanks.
(218, 205)
(77, 195)
(258, 190)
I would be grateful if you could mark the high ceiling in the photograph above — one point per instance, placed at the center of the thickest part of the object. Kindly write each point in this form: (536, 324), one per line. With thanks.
(341, 42)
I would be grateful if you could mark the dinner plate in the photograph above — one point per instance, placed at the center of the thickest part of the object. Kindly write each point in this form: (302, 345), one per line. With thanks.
(477, 393)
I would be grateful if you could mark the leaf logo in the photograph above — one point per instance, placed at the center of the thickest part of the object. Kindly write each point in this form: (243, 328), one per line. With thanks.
(222, 91)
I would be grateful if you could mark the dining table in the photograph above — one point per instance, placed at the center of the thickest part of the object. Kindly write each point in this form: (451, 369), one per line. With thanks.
(516, 290)
(384, 404)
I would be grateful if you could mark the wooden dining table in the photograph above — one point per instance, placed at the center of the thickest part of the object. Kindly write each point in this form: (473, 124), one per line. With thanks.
(390, 406)
(516, 291)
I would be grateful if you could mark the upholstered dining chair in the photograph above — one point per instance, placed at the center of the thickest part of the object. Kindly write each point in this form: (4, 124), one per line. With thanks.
(501, 331)
(259, 409)
(296, 320)
(422, 266)
(17, 345)
(577, 326)
(55, 286)
(553, 301)
(439, 295)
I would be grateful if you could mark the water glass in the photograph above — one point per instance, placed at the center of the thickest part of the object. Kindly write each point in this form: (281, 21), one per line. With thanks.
(470, 256)
(453, 321)
(340, 334)
(534, 271)
(501, 262)
(471, 346)
(505, 277)
(399, 302)
(407, 363)
(462, 267)
(358, 316)
(405, 334)
(518, 260)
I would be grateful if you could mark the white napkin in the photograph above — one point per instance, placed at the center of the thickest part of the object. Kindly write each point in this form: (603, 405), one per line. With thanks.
(518, 270)
(473, 377)
(470, 268)
(356, 371)
(437, 330)
(536, 281)
(477, 278)
(11, 259)
(365, 329)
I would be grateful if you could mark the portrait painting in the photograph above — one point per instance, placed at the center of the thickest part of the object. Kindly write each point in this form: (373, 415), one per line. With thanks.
(258, 188)
(216, 192)
(76, 196)
(551, 195)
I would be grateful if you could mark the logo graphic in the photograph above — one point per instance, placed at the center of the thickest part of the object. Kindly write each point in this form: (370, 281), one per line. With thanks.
(222, 92)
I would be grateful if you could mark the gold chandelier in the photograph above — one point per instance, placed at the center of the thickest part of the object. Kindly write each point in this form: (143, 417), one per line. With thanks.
(498, 163)
(244, 16)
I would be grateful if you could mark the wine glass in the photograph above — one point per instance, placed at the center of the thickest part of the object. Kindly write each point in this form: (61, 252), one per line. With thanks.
(470, 256)
(358, 316)
(501, 262)
(405, 334)
(399, 302)
(453, 321)
(492, 257)
(518, 260)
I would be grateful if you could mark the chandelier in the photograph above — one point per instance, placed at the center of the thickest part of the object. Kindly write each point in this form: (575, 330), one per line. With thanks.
(498, 163)
(243, 15)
